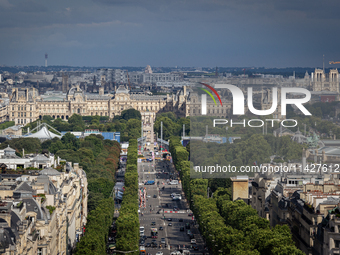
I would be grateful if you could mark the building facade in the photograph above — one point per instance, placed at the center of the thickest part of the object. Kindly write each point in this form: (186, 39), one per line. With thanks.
(325, 82)
(26, 105)
(43, 213)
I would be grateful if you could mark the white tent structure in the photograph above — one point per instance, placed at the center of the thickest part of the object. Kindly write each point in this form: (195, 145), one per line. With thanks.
(43, 132)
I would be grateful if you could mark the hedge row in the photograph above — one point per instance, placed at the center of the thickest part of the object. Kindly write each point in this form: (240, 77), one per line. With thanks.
(99, 221)
(128, 221)
(229, 227)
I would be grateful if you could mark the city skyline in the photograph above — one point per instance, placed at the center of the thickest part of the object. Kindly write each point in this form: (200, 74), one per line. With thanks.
(177, 33)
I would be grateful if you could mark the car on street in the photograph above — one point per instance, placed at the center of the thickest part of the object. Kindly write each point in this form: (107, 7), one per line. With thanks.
(159, 253)
(181, 229)
(195, 247)
(176, 253)
(148, 196)
(141, 230)
(180, 220)
(163, 240)
(169, 219)
(189, 232)
(190, 214)
(153, 223)
(154, 196)
(160, 228)
(170, 224)
(191, 236)
(187, 225)
(193, 241)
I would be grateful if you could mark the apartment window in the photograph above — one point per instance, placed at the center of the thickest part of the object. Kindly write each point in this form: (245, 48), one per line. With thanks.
(25, 114)
(113, 108)
(12, 108)
(12, 114)
(40, 251)
(31, 108)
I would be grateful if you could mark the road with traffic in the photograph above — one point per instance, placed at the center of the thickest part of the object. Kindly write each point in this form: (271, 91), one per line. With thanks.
(173, 219)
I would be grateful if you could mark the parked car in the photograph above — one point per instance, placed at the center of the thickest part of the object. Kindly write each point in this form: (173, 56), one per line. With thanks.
(180, 220)
(181, 229)
(170, 224)
(193, 241)
(169, 219)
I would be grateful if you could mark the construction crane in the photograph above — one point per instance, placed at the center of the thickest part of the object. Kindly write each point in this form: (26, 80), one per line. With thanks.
(334, 62)
(127, 73)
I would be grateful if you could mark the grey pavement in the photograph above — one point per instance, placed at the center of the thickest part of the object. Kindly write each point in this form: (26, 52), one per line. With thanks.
(172, 234)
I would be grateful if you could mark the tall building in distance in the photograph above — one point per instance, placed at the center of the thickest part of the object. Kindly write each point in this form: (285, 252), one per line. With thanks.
(46, 59)
(325, 82)
(65, 83)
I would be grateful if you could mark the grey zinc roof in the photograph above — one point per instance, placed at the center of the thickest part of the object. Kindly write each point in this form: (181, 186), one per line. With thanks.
(24, 187)
(32, 206)
(9, 149)
(331, 201)
(49, 171)
(122, 89)
(331, 142)
(91, 96)
(40, 157)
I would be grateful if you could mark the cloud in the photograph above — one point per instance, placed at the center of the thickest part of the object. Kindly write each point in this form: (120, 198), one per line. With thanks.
(5, 4)
(30, 6)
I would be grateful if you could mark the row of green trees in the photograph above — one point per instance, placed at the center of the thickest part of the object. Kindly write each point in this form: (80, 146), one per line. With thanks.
(228, 227)
(128, 221)
(99, 159)
(99, 221)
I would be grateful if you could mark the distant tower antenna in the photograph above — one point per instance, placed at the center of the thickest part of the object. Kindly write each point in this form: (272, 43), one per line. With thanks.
(46, 59)
(323, 63)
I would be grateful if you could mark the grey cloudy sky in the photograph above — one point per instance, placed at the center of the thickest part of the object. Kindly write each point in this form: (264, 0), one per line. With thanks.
(270, 33)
